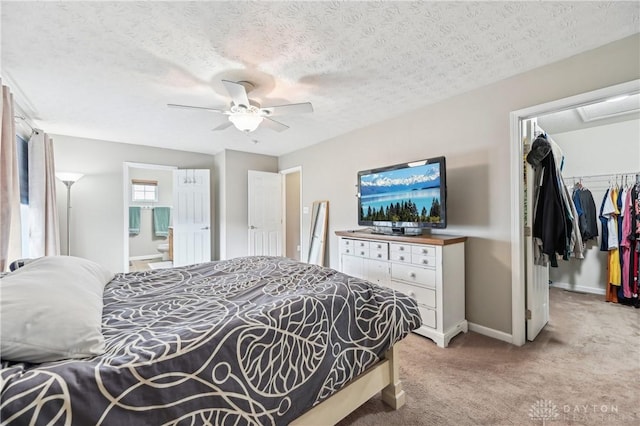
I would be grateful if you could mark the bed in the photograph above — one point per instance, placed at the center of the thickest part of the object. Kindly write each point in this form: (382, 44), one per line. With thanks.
(247, 341)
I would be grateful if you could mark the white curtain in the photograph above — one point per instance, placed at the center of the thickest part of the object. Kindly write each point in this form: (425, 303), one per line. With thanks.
(10, 236)
(44, 235)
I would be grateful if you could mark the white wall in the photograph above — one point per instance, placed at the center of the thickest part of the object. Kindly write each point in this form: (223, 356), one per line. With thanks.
(607, 149)
(233, 203)
(97, 218)
(292, 214)
(472, 131)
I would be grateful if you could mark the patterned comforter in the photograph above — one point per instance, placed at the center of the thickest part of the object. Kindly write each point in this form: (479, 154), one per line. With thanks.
(255, 340)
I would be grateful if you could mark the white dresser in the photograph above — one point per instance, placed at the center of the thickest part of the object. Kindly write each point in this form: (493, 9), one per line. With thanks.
(429, 268)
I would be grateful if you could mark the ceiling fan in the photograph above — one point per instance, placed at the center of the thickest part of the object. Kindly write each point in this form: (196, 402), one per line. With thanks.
(246, 114)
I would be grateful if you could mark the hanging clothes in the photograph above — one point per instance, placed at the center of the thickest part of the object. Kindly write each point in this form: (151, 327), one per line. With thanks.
(576, 245)
(604, 241)
(551, 222)
(586, 208)
(625, 245)
(610, 212)
(630, 247)
(635, 242)
(620, 218)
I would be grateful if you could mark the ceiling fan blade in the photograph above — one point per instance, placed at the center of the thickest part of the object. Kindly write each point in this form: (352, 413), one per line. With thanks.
(301, 108)
(195, 107)
(237, 92)
(223, 126)
(274, 125)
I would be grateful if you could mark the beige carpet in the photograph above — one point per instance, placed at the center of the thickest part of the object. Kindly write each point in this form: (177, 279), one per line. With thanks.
(583, 369)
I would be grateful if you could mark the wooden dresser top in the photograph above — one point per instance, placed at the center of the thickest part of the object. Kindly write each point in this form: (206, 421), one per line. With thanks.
(433, 239)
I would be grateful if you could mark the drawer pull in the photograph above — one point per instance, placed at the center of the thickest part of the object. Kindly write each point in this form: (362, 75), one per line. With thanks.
(401, 257)
(412, 275)
(425, 261)
(425, 251)
(379, 255)
(346, 251)
(401, 248)
(412, 294)
(361, 253)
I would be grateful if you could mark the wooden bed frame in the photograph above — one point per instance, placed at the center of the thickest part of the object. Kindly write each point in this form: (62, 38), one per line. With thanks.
(383, 376)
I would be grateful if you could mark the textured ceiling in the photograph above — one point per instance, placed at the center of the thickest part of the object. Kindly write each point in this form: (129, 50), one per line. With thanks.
(106, 70)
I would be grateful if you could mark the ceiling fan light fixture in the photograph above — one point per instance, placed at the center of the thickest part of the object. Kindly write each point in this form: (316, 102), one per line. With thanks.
(246, 114)
(246, 122)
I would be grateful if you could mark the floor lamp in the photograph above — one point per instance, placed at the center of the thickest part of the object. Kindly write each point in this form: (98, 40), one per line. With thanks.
(69, 179)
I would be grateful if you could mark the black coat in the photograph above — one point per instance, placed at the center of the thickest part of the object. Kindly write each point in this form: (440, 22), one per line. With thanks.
(588, 220)
(551, 223)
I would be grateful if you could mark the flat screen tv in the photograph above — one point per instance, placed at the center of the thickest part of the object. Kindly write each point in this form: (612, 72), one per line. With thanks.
(404, 198)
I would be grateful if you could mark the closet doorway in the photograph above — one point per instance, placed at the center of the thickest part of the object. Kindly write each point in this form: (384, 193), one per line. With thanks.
(526, 304)
(292, 212)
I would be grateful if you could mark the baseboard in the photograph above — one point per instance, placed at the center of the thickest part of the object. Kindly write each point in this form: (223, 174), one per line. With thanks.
(147, 257)
(506, 337)
(578, 288)
(490, 332)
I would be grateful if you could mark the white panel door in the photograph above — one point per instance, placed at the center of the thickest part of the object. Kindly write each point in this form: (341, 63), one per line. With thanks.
(265, 213)
(537, 277)
(191, 218)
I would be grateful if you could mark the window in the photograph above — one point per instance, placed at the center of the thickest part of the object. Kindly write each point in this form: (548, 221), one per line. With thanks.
(144, 190)
(23, 176)
(23, 169)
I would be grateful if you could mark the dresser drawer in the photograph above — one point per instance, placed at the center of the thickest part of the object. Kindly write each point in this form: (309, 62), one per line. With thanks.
(378, 250)
(424, 296)
(423, 250)
(400, 256)
(361, 251)
(401, 248)
(361, 244)
(375, 245)
(413, 274)
(428, 317)
(422, 260)
(361, 248)
(354, 247)
(378, 253)
(347, 246)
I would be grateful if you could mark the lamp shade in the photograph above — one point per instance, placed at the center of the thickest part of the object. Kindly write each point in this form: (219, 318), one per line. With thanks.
(246, 122)
(68, 176)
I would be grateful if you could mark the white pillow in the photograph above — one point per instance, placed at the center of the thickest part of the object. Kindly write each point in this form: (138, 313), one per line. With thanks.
(51, 309)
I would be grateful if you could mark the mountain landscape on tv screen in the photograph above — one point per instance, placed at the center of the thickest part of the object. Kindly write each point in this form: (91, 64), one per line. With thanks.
(382, 183)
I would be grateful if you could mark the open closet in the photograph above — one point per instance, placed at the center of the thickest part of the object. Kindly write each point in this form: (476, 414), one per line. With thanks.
(600, 161)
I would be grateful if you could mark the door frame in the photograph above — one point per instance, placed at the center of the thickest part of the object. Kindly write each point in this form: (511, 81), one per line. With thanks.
(285, 172)
(126, 166)
(518, 273)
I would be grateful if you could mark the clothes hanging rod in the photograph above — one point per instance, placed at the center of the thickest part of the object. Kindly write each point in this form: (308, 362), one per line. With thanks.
(602, 175)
